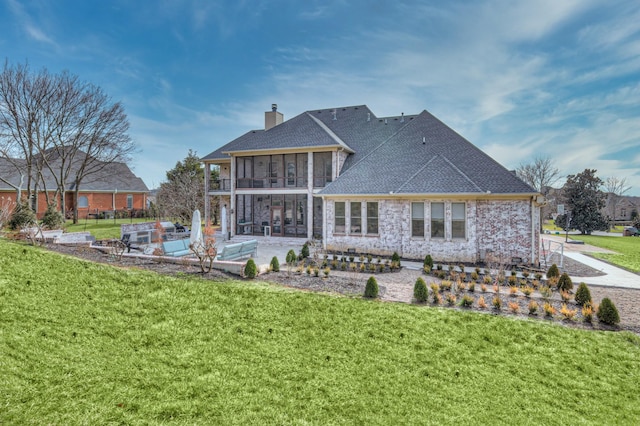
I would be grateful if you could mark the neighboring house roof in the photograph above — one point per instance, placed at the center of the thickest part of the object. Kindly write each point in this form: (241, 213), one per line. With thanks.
(414, 154)
(112, 176)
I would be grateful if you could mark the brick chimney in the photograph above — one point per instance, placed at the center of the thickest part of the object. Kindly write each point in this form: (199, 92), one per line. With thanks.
(272, 118)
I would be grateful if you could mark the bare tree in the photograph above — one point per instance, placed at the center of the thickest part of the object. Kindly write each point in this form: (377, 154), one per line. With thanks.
(540, 175)
(59, 129)
(183, 192)
(615, 189)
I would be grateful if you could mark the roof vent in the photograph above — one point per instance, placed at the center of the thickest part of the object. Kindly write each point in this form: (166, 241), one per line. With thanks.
(385, 121)
(368, 116)
(335, 114)
(424, 140)
(402, 118)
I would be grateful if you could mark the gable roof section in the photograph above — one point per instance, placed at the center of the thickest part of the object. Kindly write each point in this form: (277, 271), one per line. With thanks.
(445, 163)
(302, 131)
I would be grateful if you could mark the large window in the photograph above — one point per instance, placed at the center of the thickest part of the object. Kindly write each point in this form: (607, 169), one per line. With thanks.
(417, 219)
(372, 218)
(83, 201)
(322, 169)
(129, 201)
(437, 220)
(458, 220)
(356, 217)
(339, 218)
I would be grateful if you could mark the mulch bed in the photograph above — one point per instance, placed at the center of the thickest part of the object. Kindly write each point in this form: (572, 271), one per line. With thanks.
(626, 300)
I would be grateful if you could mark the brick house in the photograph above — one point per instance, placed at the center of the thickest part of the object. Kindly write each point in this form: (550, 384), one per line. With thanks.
(408, 184)
(114, 187)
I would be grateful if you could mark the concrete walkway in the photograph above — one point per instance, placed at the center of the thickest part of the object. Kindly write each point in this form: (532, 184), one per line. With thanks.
(615, 277)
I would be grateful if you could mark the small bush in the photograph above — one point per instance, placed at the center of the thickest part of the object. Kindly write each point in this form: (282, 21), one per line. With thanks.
(451, 299)
(22, 216)
(291, 257)
(567, 313)
(527, 290)
(395, 258)
(420, 292)
(250, 269)
(553, 271)
(545, 292)
(52, 218)
(496, 302)
(607, 312)
(487, 279)
(549, 310)
(583, 295)
(466, 301)
(533, 307)
(481, 303)
(564, 283)
(514, 307)
(428, 262)
(371, 290)
(304, 253)
(275, 265)
(326, 271)
(513, 291)
(587, 313)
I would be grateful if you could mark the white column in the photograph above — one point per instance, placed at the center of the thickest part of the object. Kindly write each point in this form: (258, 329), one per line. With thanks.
(310, 211)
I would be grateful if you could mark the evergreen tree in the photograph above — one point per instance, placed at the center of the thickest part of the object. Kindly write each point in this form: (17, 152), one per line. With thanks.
(584, 201)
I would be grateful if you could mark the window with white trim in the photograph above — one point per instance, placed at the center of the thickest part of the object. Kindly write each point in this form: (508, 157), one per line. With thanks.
(83, 201)
(417, 219)
(372, 217)
(437, 220)
(356, 217)
(339, 219)
(129, 201)
(458, 220)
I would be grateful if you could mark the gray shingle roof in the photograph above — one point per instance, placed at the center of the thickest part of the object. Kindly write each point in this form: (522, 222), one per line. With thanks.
(388, 153)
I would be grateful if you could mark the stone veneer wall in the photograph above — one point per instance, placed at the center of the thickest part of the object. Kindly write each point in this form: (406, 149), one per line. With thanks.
(500, 227)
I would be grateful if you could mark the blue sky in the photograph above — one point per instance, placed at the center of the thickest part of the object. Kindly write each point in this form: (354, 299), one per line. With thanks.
(519, 79)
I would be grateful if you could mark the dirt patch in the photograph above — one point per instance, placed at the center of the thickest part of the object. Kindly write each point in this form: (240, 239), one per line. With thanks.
(394, 287)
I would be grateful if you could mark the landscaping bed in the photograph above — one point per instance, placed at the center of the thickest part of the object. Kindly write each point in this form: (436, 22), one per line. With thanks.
(398, 286)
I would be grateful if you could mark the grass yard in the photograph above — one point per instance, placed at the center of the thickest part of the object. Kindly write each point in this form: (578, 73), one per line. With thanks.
(627, 249)
(102, 228)
(82, 343)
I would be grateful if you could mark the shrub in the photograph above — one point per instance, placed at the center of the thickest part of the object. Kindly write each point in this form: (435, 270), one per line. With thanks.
(472, 287)
(607, 312)
(525, 274)
(545, 292)
(304, 253)
(587, 313)
(513, 291)
(451, 299)
(549, 310)
(483, 288)
(481, 303)
(420, 292)
(291, 257)
(564, 283)
(275, 265)
(474, 276)
(537, 276)
(326, 271)
(22, 216)
(533, 307)
(52, 218)
(466, 301)
(527, 290)
(567, 313)
(583, 295)
(428, 261)
(553, 271)
(514, 307)
(512, 280)
(250, 269)
(487, 279)
(445, 285)
(371, 290)
(496, 302)
(395, 258)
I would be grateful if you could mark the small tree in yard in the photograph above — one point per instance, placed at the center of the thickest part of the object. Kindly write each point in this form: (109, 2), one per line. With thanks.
(395, 257)
(304, 252)
(52, 218)
(585, 201)
(583, 295)
(22, 216)
(607, 312)
(371, 290)
(565, 283)
(250, 270)
(291, 260)
(428, 262)
(553, 271)
(275, 265)
(205, 249)
(420, 292)
(7, 206)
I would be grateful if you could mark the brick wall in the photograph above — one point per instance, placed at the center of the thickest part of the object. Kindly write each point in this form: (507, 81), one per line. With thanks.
(500, 227)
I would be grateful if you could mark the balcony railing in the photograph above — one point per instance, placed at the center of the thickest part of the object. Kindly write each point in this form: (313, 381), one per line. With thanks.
(271, 182)
(220, 185)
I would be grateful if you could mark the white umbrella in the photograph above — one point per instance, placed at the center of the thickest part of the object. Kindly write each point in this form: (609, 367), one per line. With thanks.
(196, 228)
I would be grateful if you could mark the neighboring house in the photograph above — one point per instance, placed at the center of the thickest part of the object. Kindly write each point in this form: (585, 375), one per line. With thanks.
(621, 208)
(406, 184)
(113, 187)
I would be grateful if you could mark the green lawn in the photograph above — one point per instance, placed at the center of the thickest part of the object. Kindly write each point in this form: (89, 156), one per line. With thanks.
(102, 228)
(91, 344)
(627, 249)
